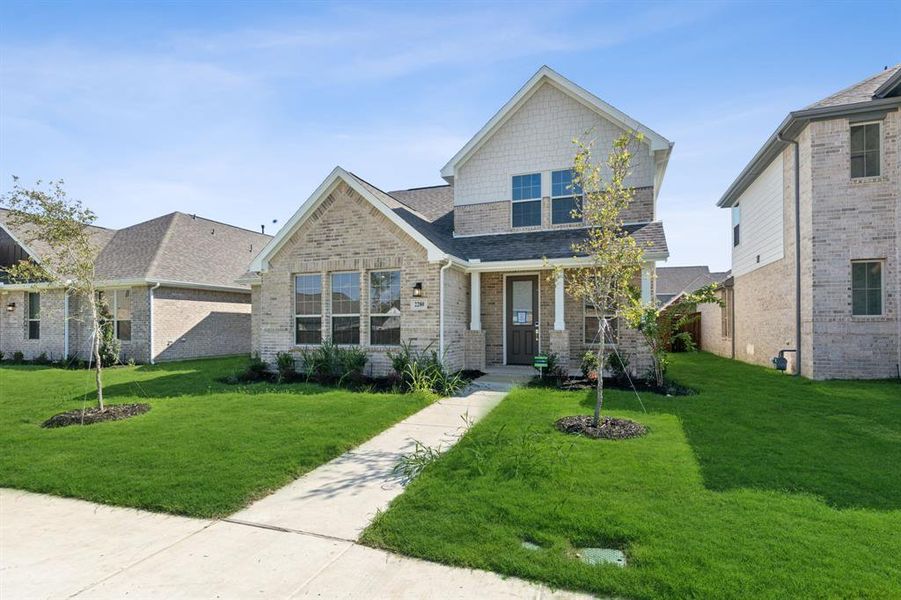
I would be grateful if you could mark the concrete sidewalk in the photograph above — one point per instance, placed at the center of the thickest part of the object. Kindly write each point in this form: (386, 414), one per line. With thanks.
(60, 548)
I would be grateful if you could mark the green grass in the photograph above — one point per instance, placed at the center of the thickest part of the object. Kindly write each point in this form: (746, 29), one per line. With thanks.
(205, 449)
(760, 486)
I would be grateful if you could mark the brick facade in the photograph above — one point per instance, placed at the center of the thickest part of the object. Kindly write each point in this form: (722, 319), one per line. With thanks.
(14, 329)
(495, 217)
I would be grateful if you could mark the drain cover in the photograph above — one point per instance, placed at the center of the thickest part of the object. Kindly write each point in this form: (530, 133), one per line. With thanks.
(600, 556)
(531, 546)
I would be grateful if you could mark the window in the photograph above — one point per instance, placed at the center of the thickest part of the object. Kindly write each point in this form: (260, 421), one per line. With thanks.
(866, 288)
(736, 225)
(307, 309)
(346, 308)
(592, 335)
(865, 144)
(566, 197)
(384, 308)
(33, 317)
(527, 200)
(122, 314)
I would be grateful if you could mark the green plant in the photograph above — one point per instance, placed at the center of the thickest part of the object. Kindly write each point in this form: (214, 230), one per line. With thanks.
(110, 347)
(1, 356)
(41, 359)
(682, 342)
(351, 362)
(410, 465)
(618, 363)
(423, 371)
(589, 364)
(330, 363)
(284, 361)
(18, 357)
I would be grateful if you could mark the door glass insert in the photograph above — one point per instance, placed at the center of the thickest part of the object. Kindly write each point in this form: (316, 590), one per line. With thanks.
(522, 303)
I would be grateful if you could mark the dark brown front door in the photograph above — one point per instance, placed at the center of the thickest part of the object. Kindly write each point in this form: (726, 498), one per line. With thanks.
(522, 319)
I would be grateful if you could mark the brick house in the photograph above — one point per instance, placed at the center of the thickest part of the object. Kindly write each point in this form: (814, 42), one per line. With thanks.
(459, 267)
(169, 283)
(815, 257)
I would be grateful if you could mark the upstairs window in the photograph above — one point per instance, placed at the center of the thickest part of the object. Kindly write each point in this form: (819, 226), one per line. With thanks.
(33, 318)
(307, 309)
(866, 288)
(527, 200)
(384, 308)
(736, 225)
(346, 308)
(566, 197)
(592, 324)
(865, 145)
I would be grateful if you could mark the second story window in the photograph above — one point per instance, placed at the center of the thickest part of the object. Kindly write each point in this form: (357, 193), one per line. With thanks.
(527, 200)
(866, 288)
(566, 198)
(34, 316)
(736, 225)
(865, 144)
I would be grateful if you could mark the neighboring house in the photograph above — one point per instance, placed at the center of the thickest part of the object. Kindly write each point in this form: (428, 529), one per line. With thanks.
(674, 282)
(815, 257)
(169, 282)
(459, 268)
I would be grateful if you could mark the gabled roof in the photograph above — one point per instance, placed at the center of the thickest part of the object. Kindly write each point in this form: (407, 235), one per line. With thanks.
(876, 94)
(547, 75)
(672, 282)
(175, 248)
(398, 213)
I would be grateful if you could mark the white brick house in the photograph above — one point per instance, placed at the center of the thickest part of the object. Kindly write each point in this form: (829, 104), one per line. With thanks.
(815, 257)
(169, 282)
(459, 267)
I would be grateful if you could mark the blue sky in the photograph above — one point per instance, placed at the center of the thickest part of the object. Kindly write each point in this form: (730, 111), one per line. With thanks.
(237, 111)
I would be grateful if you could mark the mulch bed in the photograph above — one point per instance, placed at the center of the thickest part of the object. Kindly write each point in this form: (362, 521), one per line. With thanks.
(608, 428)
(578, 384)
(93, 415)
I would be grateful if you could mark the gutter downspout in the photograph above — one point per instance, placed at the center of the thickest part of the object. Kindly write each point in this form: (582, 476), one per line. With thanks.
(797, 175)
(150, 300)
(65, 325)
(441, 309)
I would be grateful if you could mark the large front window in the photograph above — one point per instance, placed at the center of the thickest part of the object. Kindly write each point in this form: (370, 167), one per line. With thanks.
(865, 150)
(346, 308)
(527, 200)
(866, 288)
(33, 318)
(307, 309)
(566, 198)
(384, 308)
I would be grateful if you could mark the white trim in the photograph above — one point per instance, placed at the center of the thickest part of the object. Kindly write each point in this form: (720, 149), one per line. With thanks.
(559, 300)
(521, 230)
(150, 319)
(441, 308)
(646, 282)
(120, 283)
(65, 324)
(546, 74)
(475, 301)
(329, 185)
(541, 263)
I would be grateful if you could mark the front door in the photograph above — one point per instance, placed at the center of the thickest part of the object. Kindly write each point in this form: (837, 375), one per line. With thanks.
(522, 319)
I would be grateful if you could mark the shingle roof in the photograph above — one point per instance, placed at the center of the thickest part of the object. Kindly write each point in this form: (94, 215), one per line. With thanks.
(100, 236)
(672, 282)
(862, 91)
(430, 211)
(176, 247)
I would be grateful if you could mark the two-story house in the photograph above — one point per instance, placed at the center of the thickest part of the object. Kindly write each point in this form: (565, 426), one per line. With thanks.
(815, 235)
(461, 267)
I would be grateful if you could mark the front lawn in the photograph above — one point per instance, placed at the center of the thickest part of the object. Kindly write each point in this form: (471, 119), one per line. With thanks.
(760, 486)
(205, 449)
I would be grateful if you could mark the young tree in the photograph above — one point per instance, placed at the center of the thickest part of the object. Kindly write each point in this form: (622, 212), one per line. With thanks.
(658, 325)
(614, 258)
(57, 224)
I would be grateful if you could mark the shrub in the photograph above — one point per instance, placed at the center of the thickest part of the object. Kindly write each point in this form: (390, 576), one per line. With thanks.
(109, 345)
(423, 371)
(618, 363)
(330, 363)
(256, 370)
(1, 356)
(286, 369)
(589, 365)
(18, 357)
(42, 359)
(555, 372)
(682, 342)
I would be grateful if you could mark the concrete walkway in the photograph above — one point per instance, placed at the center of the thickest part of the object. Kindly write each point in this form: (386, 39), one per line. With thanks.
(297, 543)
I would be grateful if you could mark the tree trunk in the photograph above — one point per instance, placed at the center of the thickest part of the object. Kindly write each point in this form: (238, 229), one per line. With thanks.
(599, 389)
(98, 367)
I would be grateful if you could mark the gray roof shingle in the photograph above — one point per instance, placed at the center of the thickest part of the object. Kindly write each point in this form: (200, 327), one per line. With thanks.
(672, 282)
(174, 247)
(862, 91)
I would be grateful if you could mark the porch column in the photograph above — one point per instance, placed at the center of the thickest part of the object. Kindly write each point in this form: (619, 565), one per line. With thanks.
(474, 350)
(559, 321)
(475, 302)
(646, 270)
